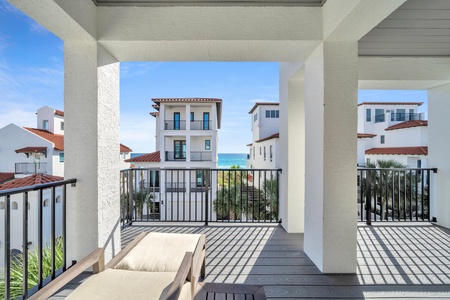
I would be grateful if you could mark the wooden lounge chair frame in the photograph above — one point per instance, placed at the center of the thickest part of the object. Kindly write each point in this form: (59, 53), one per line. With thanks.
(192, 267)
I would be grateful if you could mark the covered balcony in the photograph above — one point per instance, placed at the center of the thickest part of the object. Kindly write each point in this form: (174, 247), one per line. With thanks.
(327, 50)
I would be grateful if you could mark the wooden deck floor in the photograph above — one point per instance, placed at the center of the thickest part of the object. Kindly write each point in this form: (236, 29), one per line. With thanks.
(394, 262)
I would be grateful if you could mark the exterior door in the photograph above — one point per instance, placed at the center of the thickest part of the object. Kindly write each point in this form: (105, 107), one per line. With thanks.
(179, 149)
(206, 121)
(176, 121)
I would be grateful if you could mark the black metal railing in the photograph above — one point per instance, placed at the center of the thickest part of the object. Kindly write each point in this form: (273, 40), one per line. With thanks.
(379, 118)
(34, 221)
(201, 156)
(201, 125)
(405, 117)
(199, 195)
(394, 194)
(175, 125)
(31, 168)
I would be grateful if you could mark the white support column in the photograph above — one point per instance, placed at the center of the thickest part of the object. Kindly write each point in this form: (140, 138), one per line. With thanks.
(91, 146)
(331, 87)
(438, 150)
(292, 140)
(188, 146)
(188, 117)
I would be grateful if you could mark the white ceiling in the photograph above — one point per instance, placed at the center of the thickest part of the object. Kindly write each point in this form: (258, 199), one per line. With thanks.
(209, 2)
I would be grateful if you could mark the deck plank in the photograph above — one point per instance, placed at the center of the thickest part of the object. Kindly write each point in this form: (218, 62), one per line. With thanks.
(394, 261)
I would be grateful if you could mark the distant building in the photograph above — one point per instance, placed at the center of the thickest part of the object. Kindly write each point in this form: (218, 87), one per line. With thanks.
(39, 150)
(264, 149)
(186, 138)
(392, 130)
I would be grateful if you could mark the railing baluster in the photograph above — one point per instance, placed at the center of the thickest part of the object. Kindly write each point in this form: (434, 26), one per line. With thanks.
(7, 252)
(53, 235)
(40, 238)
(25, 243)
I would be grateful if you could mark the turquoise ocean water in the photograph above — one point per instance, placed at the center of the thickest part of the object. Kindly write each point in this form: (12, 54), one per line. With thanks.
(226, 160)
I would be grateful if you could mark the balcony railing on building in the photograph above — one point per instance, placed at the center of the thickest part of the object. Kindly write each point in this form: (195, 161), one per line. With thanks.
(194, 156)
(398, 117)
(175, 125)
(200, 195)
(31, 168)
(201, 125)
(394, 194)
(34, 237)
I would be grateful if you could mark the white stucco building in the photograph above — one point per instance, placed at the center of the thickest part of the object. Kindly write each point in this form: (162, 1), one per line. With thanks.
(392, 130)
(186, 138)
(40, 150)
(264, 149)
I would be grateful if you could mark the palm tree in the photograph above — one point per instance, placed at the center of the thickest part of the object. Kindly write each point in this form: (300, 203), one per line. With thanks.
(231, 203)
(395, 184)
(266, 207)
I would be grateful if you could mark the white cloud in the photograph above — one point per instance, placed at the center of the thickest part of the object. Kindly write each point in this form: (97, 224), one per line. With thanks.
(8, 8)
(130, 70)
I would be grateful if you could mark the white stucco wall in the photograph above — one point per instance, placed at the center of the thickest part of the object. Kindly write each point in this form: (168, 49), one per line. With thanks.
(407, 137)
(13, 137)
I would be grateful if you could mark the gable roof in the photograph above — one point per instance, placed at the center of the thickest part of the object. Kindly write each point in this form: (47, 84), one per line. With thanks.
(408, 124)
(31, 149)
(262, 103)
(366, 135)
(125, 149)
(6, 176)
(391, 103)
(273, 136)
(399, 151)
(30, 180)
(150, 157)
(56, 139)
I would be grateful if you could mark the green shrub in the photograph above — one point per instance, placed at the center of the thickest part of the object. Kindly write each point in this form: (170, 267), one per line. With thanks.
(16, 277)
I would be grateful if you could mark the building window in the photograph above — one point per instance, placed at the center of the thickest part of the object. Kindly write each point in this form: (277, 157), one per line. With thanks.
(62, 125)
(61, 157)
(264, 153)
(176, 121)
(255, 117)
(368, 115)
(401, 115)
(379, 115)
(192, 116)
(271, 153)
(382, 139)
(179, 149)
(45, 124)
(274, 114)
(419, 163)
(207, 144)
(411, 114)
(14, 205)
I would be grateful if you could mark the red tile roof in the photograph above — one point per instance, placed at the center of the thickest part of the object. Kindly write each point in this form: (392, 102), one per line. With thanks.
(159, 100)
(273, 136)
(391, 103)
(31, 149)
(366, 135)
(154, 114)
(408, 124)
(5, 176)
(59, 113)
(155, 106)
(399, 151)
(249, 145)
(30, 180)
(56, 139)
(262, 103)
(124, 148)
(150, 157)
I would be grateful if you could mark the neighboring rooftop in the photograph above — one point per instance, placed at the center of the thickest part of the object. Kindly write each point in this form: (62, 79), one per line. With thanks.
(263, 103)
(6, 176)
(273, 136)
(30, 180)
(56, 139)
(408, 124)
(31, 149)
(59, 113)
(366, 135)
(391, 103)
(399, 151)
(125, 149)
(150, 157)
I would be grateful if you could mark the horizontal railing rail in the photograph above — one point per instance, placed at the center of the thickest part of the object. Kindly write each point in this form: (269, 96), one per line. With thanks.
(31, 168)
(175, 124)
(394, 194)
(175, 156)
(199, 195)
(201, 156)
(201, 125)
(34, 247)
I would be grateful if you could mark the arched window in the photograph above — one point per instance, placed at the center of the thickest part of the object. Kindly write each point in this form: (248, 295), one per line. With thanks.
(2, 205)
(46, 202)
(58, 199)
(15, 205)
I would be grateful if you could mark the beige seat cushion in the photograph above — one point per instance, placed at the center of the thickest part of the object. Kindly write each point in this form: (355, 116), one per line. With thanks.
(159, 252)
(114, 284)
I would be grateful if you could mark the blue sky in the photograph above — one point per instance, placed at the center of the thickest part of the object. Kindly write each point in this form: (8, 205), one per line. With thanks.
(32, 75)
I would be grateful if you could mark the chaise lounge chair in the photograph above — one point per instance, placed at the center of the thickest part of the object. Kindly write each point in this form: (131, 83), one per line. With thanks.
(152, 266)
